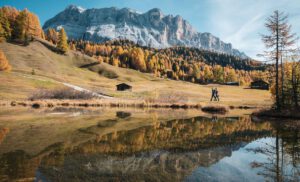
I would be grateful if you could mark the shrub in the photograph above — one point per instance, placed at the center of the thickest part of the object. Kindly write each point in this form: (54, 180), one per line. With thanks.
(36, 105)
(108, 74)
(61, 94)
(214, 109)
(173, 98)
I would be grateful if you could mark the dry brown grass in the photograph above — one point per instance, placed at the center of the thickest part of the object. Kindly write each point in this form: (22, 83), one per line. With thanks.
(60, 94)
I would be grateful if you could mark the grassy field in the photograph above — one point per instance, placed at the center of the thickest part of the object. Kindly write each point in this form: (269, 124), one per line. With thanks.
(52, 69)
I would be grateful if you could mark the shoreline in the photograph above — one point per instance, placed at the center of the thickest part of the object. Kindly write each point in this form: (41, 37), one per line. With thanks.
(121, 104)
(208, 107)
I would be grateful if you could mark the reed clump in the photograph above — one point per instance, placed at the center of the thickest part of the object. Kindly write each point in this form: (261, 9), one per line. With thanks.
(215, 109)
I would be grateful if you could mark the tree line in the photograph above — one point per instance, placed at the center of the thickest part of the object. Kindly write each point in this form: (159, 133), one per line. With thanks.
(178, 63)
(19, 26)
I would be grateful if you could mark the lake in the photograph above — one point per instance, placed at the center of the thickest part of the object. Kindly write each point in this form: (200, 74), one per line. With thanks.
(116, 144)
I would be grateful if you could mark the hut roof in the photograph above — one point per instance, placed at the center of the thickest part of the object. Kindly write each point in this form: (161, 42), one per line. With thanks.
(260, 81)
(123, 84)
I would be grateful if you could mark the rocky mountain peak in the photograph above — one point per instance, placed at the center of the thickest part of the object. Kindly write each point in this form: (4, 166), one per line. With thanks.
(151, 28)
(74, 8)
(155, 12)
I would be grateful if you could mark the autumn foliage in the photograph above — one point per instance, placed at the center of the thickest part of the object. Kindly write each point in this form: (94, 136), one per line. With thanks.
(178, 63)
(3, 133)
(19, 26)
(4, 65)
(52, 36)
(62, 44)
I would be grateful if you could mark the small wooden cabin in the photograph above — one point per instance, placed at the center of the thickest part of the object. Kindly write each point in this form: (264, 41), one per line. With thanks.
(123, 87)
(260, 84)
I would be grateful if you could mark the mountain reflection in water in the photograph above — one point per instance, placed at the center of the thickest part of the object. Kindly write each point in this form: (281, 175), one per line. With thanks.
(193, 149)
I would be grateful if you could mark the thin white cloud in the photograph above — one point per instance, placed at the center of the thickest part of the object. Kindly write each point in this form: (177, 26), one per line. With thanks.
(241, 22)
(240, 37)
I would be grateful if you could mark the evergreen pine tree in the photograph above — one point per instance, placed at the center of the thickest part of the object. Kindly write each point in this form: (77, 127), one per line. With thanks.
(62, 41)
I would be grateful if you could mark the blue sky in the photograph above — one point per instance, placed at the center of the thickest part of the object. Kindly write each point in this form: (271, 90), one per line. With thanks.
(236, 21)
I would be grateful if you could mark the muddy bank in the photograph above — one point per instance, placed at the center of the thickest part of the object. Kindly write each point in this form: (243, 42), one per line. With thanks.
(284, 114)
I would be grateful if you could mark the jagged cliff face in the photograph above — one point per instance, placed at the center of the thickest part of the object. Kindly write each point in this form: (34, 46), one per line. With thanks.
(152, 28)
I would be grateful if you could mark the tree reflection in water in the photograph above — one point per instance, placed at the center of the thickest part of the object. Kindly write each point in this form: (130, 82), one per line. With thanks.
(282, 154)
(164, 151)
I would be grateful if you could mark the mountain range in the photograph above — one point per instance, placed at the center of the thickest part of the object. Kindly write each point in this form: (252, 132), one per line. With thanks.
(152, 28)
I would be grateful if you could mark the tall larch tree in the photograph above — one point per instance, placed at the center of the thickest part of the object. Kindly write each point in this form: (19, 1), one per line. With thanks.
(295, 82)
(62, 44)
(208, 75)
(218, 73)
(4, 65)
(52, 35)
(4, 23)
(231, 76)
(278, 39)
(138, 59)
(18, 32)
(1, 33)
(32, 25)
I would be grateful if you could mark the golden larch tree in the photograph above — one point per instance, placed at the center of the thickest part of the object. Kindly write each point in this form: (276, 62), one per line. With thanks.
(138, 59)
(4, 65)
(62, 44)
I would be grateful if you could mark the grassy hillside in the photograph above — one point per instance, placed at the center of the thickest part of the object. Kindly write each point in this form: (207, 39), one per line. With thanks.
(52, 69)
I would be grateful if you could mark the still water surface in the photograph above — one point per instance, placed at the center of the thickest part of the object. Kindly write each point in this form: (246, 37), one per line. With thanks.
(145, 145)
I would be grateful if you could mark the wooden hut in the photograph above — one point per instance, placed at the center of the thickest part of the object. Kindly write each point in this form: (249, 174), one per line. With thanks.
(260, 84)
(123, 87)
